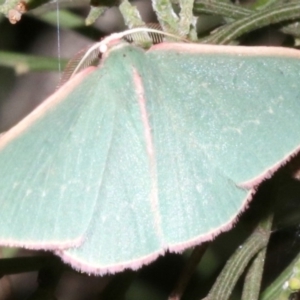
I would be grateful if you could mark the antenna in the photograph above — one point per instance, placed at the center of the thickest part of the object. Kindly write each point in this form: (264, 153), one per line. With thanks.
(131, 35)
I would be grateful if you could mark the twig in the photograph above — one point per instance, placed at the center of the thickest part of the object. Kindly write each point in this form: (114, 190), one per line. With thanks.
(188, 271)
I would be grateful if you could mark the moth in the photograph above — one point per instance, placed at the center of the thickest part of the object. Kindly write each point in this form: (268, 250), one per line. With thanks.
(151, 151)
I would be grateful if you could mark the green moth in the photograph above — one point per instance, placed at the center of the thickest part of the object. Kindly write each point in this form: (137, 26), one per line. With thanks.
(151, 151)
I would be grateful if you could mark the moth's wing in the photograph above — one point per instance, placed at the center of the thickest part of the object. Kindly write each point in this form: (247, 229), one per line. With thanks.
(221, 122)
(82, 173)
(44, 177)
(125, 225)
(156, 154)
(211, 118)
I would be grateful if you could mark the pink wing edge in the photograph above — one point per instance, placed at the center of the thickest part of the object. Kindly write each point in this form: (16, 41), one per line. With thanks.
(251, 185)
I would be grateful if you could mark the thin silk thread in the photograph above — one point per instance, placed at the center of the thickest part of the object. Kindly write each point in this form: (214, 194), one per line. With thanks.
(58, 37)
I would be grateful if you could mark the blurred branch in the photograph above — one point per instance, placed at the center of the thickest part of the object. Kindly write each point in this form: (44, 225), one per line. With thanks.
(25, 63)
(52, 6)
(131, 14)
(71, 21)
(67, 20)
(166, 15)
(188, 271)
(94, 14)
(284, 283)
(8, 5)
(186, 18)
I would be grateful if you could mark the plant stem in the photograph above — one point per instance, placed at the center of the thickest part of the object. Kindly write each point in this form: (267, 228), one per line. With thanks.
(251, 289)
(131, 15)
(188, 271)
(94, 14)
(52, 6)
(25, 63)
(253, 278)
(186, 18)
(281, 287)
(220, 8)
(166, 15)
(229, 10)
(236, 265)
(247, 19)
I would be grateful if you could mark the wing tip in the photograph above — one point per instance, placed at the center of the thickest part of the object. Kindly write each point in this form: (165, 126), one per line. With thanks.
(268, 173)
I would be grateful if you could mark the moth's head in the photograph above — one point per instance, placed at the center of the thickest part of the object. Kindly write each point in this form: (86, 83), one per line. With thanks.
(141, 36)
